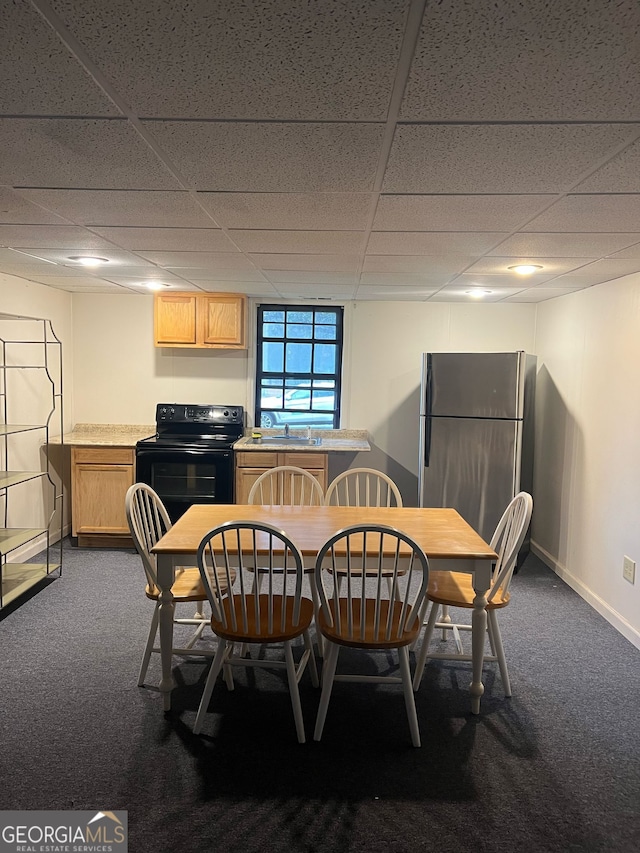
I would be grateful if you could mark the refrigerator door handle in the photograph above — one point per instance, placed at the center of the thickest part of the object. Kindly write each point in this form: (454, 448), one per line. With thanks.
(427, 441)
(427, 420)
(424, 441)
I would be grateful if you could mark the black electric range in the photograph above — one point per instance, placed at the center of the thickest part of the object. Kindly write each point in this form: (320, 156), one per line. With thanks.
(189, 459)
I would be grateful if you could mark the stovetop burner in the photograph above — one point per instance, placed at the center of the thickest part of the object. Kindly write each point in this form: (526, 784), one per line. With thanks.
(195, 425)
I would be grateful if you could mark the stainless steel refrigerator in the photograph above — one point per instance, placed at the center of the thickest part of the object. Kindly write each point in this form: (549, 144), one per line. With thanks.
(476, 433)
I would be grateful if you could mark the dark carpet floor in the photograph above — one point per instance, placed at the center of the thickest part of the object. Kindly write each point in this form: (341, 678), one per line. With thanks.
(554, 768)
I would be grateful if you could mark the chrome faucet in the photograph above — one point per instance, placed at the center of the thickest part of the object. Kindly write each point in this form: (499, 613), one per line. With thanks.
(286, 430)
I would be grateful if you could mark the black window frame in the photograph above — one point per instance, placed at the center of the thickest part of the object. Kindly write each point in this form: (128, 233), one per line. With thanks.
(311, 377)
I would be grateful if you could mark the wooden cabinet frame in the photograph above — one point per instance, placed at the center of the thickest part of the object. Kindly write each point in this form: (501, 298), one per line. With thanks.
(251, 464)
(200, 320)
(100, 477)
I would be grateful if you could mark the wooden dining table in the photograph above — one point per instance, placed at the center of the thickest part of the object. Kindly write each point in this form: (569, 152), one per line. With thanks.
(446, 538)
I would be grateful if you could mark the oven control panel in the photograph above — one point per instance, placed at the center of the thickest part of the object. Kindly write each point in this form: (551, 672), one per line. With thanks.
(180, 413)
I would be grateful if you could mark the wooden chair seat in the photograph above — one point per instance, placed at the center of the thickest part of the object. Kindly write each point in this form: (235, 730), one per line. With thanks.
(259, 631)
(372, 639)
(455, 589)
(186, 587)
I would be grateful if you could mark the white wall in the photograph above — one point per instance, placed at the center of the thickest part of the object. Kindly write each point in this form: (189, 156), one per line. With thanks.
(587, 472)
(21, 297)
(383, 361)
(120, 375)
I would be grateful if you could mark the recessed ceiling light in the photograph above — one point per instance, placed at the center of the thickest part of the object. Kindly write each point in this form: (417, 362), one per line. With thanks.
(155, 285)
(88, 260)
(525, 269)
(478, 292)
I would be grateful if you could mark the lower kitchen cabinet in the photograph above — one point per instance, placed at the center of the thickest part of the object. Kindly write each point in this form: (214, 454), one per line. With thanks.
(251, 464)
(100, 478)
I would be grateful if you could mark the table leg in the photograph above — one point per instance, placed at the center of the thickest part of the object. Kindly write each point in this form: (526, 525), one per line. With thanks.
(166, 614)
(481, 583)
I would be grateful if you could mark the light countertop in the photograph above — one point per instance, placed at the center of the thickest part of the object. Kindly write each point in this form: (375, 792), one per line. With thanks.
(126, 435)
(106, 435)
(332, 441)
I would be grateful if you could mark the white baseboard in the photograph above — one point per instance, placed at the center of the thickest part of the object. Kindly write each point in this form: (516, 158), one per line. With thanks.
(36, 546)
(612, 616)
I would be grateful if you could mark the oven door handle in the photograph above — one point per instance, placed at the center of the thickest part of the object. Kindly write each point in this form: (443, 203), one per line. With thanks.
(162, 451)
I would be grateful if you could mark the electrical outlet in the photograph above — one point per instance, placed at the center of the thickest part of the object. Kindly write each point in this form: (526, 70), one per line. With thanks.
(629, 569)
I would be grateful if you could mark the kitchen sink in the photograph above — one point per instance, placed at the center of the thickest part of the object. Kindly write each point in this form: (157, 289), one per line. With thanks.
(287, 439)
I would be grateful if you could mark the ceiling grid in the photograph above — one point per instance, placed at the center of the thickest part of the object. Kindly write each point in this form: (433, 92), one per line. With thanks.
(387, 150)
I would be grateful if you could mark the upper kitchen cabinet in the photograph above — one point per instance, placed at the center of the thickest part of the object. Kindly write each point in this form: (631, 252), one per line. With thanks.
(200, 320)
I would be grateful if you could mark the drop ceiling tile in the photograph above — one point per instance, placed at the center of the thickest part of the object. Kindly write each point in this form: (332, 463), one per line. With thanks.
(562, 245)
(215, 261)
(110, 207)
(137, 286)
(85, 283)
(550, 267)
(13, 256)
(105, 154)
(504, 61)
(15, 209)
(115, 256)
(424, 264)
(72, 237)
(320, 263)
(27, 275)
(620, 175)
(541, 294)
(432, 242)
(400, 292)
(330, 291)
(580, 279)
(167, 239)
(311, 211)
(55, 84)
(34, 270)
(591, 213)
(410, 279)
(631, 252)
(200, 276)
(279, 277)
(496, 158)
(460, 293)
(272, 157)
(131, 278)
(250, 288)
(456, 212)
(612, 268)
(287, 59)
(403, 296)
(295, 242)
(499, 282)
(139, 271)
(63, 283)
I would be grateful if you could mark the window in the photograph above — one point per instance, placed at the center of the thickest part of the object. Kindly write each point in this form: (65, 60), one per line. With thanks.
(299, 362)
